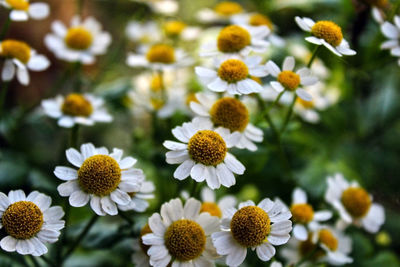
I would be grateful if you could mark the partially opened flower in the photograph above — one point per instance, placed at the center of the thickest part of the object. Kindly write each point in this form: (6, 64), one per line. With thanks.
(230, 113)
(258, 227)
(203, 154)
(29, 222)
(326, 33)
(81, 42)
(85, 109)
(139, 201)
(180, 235)
(209, 203)
(105, 179)
(354, 204)
(392, 32)
(19, 57)
(21, 10)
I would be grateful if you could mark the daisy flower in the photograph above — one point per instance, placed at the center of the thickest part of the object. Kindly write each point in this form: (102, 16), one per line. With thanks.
(233, 75)
(179, 29)
(85, 109)
(181, 235)
(326, 33)
(143, 32)
(139, 201)
(210, 204)
(392, 31)
(287, 79)
(165, 7)
(81, 42)
(29, 222)
(354, 204)
(229, 113)
(139, 255)
(203, 154)
(19, 57)
(258, 227)
(106, 179)
(222, 12)
(21, 10)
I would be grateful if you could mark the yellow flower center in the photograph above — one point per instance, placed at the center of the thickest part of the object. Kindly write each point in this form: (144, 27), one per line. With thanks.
(250, 226)
(207, 147)
(302, 213)
(211, 208)
(22, 220)
(157, 103)
(19, 4)
(289, 79)
(145, 230)
(156, 83)
(233, 38)
(161, 53)
(78, 38)
(185, 240)
(260, 20)
(356, 201)
(228, 8)
(174, 28)
(233, 70)
(16, 49)
(230, 113)
(305, 104)
(76, 105)
(328, 239)
(329, 31)
(99, 175)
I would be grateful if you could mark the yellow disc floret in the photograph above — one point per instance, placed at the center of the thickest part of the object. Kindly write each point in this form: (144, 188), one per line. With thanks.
(145, 230)
(305, 104)
(329, 31)
(356, 201)
(15, 49)
(185, 240)
(174, 28)
(230, 113)
(76, 105)
(99, 175)
(22, 220)
(289, 79)
(233, 70)
(228, 8)
(250, 226)
(156, 83)
(233, 38)
(78, 38)
(328, 239)
(161, 53)
(302, 213)
(19, 4)
(211, 208)
(207, 147)
(260, 20)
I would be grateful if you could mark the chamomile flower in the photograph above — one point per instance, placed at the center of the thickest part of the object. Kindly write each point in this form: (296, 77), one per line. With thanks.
(180, 235)
(139, 256)
(230, 113)
(19, 57)
(392, 31)
(326, 33)
(287, 79)
(233, 75)
(105, 179)
(139, 201)
(203, 153)
(21, 10)
(179, 29)
(143, 32)
(85, 109)
(29, 222)
(354, 204)
(258, 227)
(222, 12)
(210, 204)
(165, 7)
(81, 42)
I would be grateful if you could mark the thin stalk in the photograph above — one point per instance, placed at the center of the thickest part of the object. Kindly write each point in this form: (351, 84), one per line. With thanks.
(3, 94)
(124, 216)
(64, 232)
(48, 261)
(34, 260)
(6, 25)
(314, 55)
(79, 6)
(74, 136)
(78, 77)
(194, 189)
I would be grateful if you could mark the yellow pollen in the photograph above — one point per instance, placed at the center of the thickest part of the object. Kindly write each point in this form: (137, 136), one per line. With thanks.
(145, 230)
(356, 201)
(329, 31)
(305, 104)
(156, 83)
(22, 220)
(207, 147)
(260, 20)
(228, 8)
(78, 38)
(250, 226)
(289, 79)
(174, 28)
(15, 49)
(230, 113)
(161, 53)
(185, 240)
(233, 38)
(99, 175)
(233, 70)
(211, 208)
(328, 239)
(302, 213)
(76, 105)
(19, 4)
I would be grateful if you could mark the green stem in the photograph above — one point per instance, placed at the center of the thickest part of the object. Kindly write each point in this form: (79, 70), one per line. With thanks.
(79, 6)
(5, 27)
(306, 257)
(48, 261)
(3, 94)
(124, 216)
(314, 55)
(34, 260)
(74, 136)
(194, 189)
(78, 78)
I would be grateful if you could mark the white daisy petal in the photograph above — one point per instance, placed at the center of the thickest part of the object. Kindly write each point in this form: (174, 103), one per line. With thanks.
(8, 243)
(300, 232)
(183, 170)
(288, 63)
(74, 157)
(233, 164)
(65, 173)
(265, 251)
(108, 206)
(78, 199)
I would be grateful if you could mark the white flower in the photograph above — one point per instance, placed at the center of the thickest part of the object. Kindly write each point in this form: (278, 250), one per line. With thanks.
(354, 204)
(232, 75)
(75, 108)
(21, 10)
(19, 57)
(289, 80)
(326, 33)
(210, 204)
(231, 114)
(176, 28)
(81, 42)
(181, 235)
(165, 7)
(139, 201)
(104, 178)
(143, 32)
(203, 154)
(222, 12)
(258, 227)
(29, 222)
(392, 31)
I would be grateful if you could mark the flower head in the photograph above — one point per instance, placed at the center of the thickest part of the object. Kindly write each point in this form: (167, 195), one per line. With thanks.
(392, 32)
(143, 32)
(221, 12)
(209, 203)
(21, 10)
